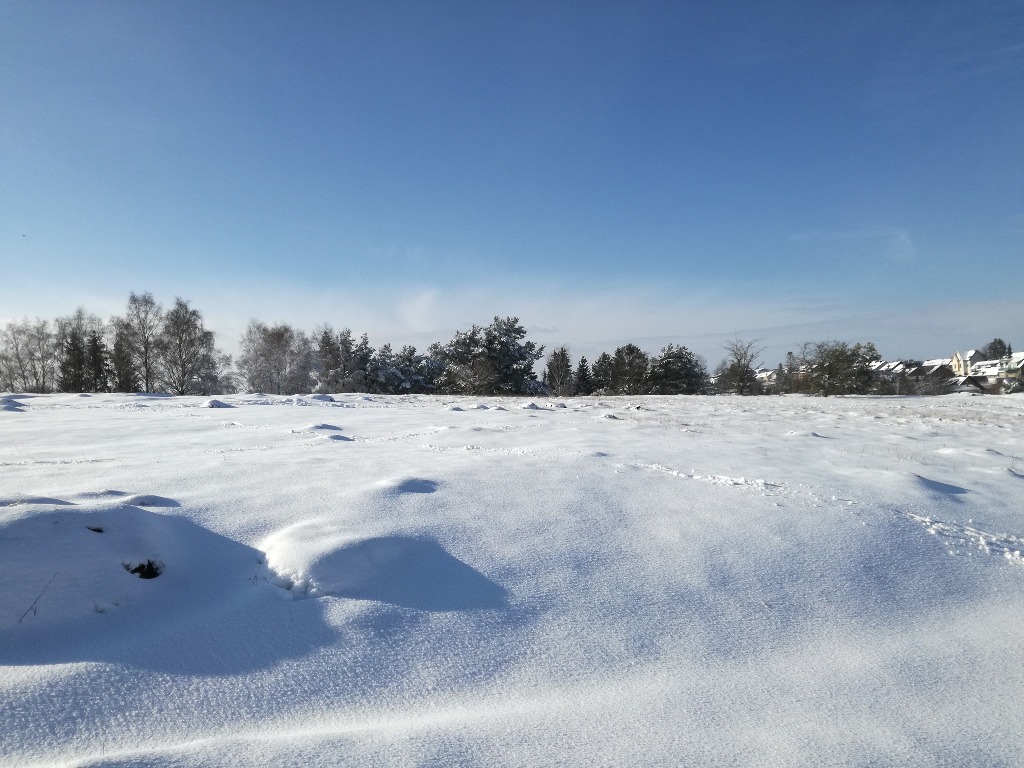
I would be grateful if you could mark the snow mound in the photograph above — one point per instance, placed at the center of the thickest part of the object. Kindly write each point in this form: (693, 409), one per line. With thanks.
(148, 500)
(79, 573)
(316, 559)
(106, 493)
(22, 499)
(214, 403)
(530, 407)
(315, 428)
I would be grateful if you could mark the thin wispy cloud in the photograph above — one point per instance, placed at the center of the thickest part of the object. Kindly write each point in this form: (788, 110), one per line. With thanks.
(893, 242)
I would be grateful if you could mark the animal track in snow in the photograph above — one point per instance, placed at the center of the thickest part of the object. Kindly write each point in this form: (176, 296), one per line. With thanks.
(36, 462)
(962, 538)
(758, 484)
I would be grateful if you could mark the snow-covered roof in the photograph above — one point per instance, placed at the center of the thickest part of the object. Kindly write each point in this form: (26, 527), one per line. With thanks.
(985, 368)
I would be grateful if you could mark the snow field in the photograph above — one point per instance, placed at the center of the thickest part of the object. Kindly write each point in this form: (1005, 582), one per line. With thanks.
(714, 581)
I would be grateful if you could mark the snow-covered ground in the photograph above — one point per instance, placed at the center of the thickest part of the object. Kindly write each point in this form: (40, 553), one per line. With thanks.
(365, 580)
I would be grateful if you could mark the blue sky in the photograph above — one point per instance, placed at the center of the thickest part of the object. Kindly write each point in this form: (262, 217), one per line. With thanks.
(607, 171)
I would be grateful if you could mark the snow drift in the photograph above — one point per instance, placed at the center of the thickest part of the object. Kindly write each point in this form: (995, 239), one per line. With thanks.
(701, 581)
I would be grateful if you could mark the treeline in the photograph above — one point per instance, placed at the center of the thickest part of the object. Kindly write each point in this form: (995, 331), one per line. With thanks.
(149, 349)
(496, 359)
(628, 371)
(145, 350)
(825, 368)
(817, 368)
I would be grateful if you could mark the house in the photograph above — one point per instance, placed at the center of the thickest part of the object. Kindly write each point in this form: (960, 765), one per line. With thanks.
(931, 370)
(986, 369)
(962, 362)
(998, 374)
(1012, 366)
(968, 384)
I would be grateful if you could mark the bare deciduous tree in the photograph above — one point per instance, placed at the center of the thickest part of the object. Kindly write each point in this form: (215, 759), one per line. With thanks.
(741, 361)
(185, 348)
(276, 359)
(28, 356)
(143, 320)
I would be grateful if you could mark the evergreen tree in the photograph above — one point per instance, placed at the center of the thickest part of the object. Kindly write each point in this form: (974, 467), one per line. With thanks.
(629, 370)
(71, 370)
(431, 368)
(383, 375)
(996, 349)
(837, 368)
(583, 382)
(122, 366)
(329, 367)
(678, 371)
(790, 377)
(97, 363)
(72, 338)
(468, 369)
(415, 371)
(511, 357)
(346, 350)
(558, 374)
(361, 354)
(602, 370)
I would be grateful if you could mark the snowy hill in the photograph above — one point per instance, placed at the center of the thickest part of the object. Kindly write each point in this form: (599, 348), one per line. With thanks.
(355, 580)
